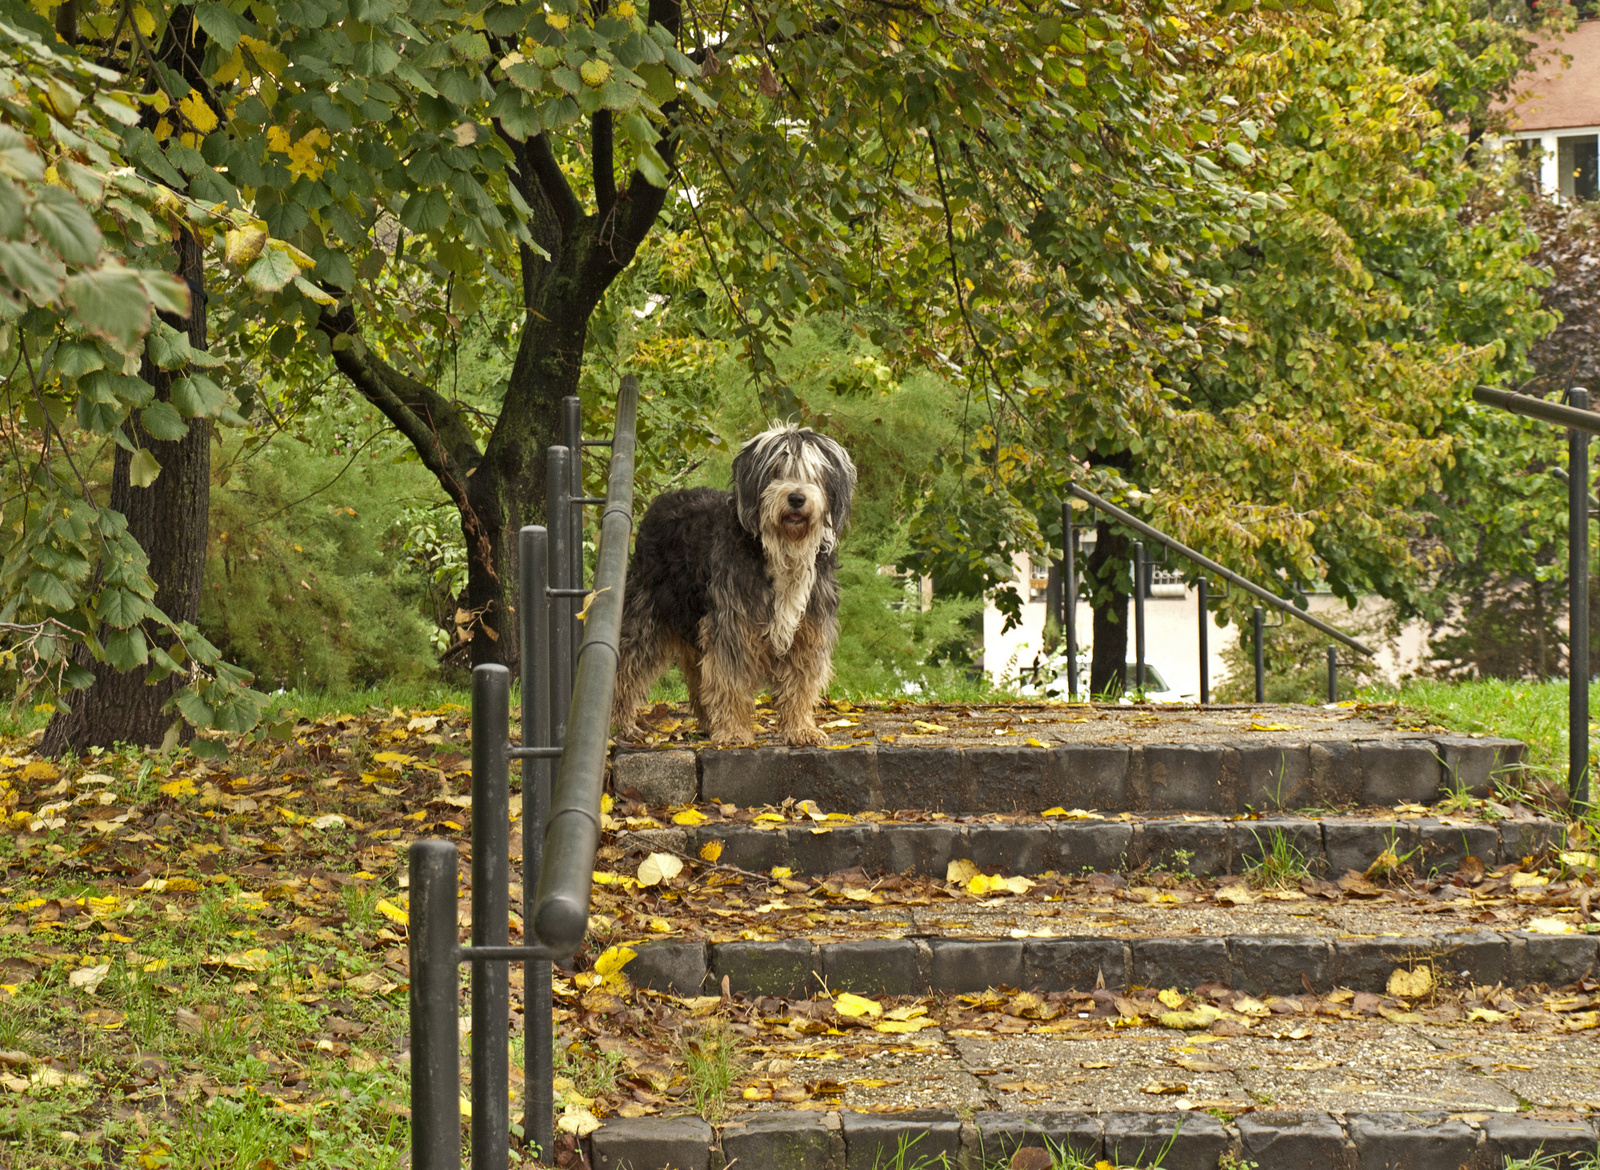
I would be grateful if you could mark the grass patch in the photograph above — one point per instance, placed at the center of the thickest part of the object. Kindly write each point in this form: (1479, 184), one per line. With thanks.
(1534, 712)
(1282, 865)
(712, 1063)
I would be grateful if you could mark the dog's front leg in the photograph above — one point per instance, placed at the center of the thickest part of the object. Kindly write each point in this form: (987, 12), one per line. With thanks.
(798, 679)
(728, 671)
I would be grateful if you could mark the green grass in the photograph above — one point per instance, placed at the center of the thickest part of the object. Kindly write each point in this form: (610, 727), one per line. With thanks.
(1534, 712)
(711, 1061)
(1281, 867)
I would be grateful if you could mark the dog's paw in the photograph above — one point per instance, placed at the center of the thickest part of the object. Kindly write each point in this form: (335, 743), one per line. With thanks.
(733, 735)
(632, 731)
(808, 736)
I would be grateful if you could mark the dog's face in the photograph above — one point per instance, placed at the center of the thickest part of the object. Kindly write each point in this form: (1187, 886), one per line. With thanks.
(792, 485)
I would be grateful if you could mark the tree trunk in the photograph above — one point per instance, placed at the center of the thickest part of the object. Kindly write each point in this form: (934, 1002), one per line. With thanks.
(1109, 581)
(170, 520)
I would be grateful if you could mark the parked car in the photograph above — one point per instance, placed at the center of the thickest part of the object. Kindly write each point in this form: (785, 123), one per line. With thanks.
(1046, 678)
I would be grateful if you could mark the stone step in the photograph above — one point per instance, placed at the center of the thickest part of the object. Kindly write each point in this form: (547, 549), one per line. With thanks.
(1203, 846)
(1281, 964)
(1192, 1140)
(1226, 777)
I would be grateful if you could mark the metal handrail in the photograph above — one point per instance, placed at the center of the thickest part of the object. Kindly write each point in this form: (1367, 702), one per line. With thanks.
(572, 834)
(562, 704)
(1581, 422)
(1573, 417)
(1128, 519)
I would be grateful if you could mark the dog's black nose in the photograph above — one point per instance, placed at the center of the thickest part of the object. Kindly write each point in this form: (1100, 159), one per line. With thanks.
(796, 500)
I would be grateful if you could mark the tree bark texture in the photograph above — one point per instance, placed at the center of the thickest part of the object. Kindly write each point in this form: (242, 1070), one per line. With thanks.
(1110, 582)
(502, 487)
(170, 520)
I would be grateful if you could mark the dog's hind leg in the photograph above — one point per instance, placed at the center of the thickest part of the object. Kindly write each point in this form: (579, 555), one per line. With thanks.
(689, 667)
(642, 655)
(797, 680)
(728, 673)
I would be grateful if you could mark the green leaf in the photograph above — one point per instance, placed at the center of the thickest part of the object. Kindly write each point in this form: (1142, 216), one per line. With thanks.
(162, 421)
(168, 293)
(49, 590)
(63, 223)
(111, 303)
(220, 24)
(12, 216)
(143, 469)
(197, 396)
(375, 58)
(1239, 154)
(167, 348)
(126, 649)
(659, 83)
(651, 167)
(208, 749)
(75, 359)
(32, 272)
(425, 211)
(121, 608)
(274, 269)
(192, 707)
(18, 159)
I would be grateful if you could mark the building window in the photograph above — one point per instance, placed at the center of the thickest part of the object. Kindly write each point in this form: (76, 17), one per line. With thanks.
(1578, 166)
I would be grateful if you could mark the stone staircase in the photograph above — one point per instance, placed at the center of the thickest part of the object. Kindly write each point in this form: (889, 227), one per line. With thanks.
(875, 860)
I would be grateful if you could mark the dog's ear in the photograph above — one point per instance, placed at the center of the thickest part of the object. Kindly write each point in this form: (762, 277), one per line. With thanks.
(750, 468)
(838, 480)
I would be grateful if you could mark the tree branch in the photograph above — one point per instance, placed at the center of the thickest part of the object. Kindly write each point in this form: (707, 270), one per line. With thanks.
(553, 183)
(603, 140)
(423, 416)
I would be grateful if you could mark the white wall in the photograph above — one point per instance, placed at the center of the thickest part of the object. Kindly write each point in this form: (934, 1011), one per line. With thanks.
(1172, 638)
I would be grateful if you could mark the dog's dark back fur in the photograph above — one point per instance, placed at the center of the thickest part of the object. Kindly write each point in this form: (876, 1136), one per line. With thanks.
(691, 542)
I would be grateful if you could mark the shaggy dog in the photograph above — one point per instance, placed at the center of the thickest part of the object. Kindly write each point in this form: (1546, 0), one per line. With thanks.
(738, 587)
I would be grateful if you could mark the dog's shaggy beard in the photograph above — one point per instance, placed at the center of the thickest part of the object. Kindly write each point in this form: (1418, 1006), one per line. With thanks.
(791, 551)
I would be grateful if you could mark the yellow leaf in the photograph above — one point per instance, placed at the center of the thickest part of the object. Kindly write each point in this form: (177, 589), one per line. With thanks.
(659, 867)
(40, 771)
(201, 116)
(1033, 742)
(1248, 1006)
(1172, 997)
(1550, 926)
(606, 803)
(836, 723)
(610, 964)
(1487, 1015)
(244, 244)
(1017, 885)
(578, 1122)
(900, 1027)
(595, 72)
(692, 816)
(781, 872)
(393, 913)
(960, 871)
(1411, 984)
(711, 850)
(659, 926)
(1202, 1016)
(856, 1005)
(924, 728)
(1578, 859)
(143, 21)
(979, 884)
(182, 786)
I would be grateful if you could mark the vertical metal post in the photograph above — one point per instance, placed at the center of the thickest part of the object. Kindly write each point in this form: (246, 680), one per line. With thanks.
(1333, 675)
(572, 436)
(1205, 643)
(559, 496)
(491, 878)
(1138, 613)
(538, 1050)
(1069, 595)
(1578, 607)
(435, 1008)
(1261, 655)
